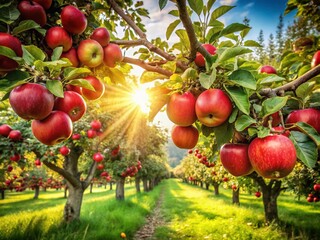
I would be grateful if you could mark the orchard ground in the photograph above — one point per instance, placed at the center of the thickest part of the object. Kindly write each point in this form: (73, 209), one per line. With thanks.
(186, 212)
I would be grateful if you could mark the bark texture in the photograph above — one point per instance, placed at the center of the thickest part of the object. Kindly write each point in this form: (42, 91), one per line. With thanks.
(120, 189)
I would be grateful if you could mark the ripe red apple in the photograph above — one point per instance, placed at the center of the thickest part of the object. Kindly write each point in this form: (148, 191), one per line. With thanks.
(64, 150)
(46, 4)
(316, 199)
(96, 124)
(310, 199)
(185, 137)
(190, 151)
(73, 104)
(101, 35)
(7, 40)
(273, 156)
(200, 60)
(315, 59)
(31, 101)
(310, 116)
(100, 166)
(104, 173)
(112, 55)
(58, 37)
(15, 135)
(8, 182)
(30, 10)
(73, 20)
(90, 53)
(9, 168)
(225, 179)
(267, 69)
(234, 158)
(276, 120)
(72, 56)
(258, 194)
(76, 136)
(5, 129)
(234, 187)
(181, 109)
(213, 107)
(37, 162)
(15, 158)
(316, 187)
(91, 133)
(97, 85)
(281, 130)
(55, 128)
(98, 157)
(74, 88)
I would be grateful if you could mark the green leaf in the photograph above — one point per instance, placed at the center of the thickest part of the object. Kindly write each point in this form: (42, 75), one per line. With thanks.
(240, 98)
(13, 79)
(272, 105)
(55, 87)
(223, 133)
(162, 4)
(171, 28)
(233, 115)
(184, 39)
(25, 26)
(314, 100)
(271, 79)
(234, 27)
(210, 4)
(31, 53)
(218, 12)
(56, 53)
(243, 122)
(310, 131)
(243, 78)
(196, 5)
(306, 149)
(174, 13)
(251, 43)
(232, 52)
(206, 131)
(82, 83)
(8, 52)
(305, 89)
(147, 76)
(76, 73)
(9, 14)
(207, 80)
(262, 132)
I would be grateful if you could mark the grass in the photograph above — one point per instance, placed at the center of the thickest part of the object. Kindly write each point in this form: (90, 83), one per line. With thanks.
(189, 212)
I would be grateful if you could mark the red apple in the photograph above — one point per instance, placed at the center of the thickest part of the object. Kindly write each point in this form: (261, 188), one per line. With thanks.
(73, 104)
(58, 37)
(213, 107)
(15, 158)
(98, 157)
(185, 137)
(273, 156)
(234, 187)
(104, 173)
(316, 187)
(97, 85)
(112, 55)
(276, 120)
(316, 199)
(7, 40)
(37, 162)
(200, 60)
(46, 4)
(96, 125)
(73, 20)
(225, 179)
(234, 158)
(30, 10)
(15, 135)
(76, 136)
(315, 59)
(74, 88)
(310, 199)
(55, 128)
(310, 116)
(9, 168)
(90, 53)
(91, 133)
(258, 194)
(181, 109)
(72, 56)
(31, 101)
(190, 151)
(64, 150)
(7, 182)
(101, 35)
(281, 130)
(5, 129)
(100, 166)
(267, 69)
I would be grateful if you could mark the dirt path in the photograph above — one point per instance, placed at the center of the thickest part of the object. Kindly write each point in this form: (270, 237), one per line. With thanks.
(152, 222)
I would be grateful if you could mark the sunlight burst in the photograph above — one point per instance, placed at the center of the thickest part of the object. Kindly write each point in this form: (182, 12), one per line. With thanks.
(141, 98)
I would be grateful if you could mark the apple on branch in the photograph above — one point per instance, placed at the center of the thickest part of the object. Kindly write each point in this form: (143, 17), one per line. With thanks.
(9, 41)
(101, 35)
(73, 20)
(31, 10)
(58, 37)
(90, 53)
(185, 137)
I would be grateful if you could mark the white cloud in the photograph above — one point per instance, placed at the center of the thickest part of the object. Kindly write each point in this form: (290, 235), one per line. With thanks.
(249, 5)
(228, 2)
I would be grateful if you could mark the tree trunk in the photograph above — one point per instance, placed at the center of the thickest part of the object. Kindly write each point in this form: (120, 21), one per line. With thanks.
(216, 188)
(65, 192)
(110, 185)
(207, 186)
(120, 189)
(201, 184)
(137, 182)
(2, 193)
(73, 205)
(36, 192)
(145, 185)
(44, 189)
(236, 196)
(151, 184)
(91, 187)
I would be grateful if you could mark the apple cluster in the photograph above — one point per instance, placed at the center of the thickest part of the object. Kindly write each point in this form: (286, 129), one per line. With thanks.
(211, 108)
(131, 171)
(315, 196)
(202, 158)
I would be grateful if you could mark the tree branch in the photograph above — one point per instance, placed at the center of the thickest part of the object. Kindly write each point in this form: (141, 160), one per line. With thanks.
(90, 175)
(195, 45)
(292, 85)
(147, 66)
